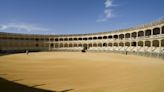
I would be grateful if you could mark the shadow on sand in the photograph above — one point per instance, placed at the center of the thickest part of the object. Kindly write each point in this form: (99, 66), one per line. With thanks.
(11, 86)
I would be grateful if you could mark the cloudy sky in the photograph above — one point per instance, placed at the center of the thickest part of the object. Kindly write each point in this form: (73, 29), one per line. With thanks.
(76, 16)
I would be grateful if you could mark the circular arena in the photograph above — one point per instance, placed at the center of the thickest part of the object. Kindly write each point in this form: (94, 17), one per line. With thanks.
(126, 60)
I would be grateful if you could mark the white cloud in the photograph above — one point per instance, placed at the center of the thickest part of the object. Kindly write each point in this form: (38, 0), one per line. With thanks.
(22, 26)
(108, 11)
(108, 3)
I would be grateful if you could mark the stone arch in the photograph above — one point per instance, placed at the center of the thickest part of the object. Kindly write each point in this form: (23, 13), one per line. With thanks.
(75, 39)
(100, 37)
(134, 34)
(56, 45)
(99, 44)
(104, 44)
(127, 35)
(75, 45)
(85, 38)
(94, 44)
(51, 39)
(162, 29)
(121, 36)
(56, 39)
(148, 43)
(110, 36)
(90, 38)
(127, 44)
(80, 45)
(140, 33)
(121, 44)
(115, 36)
(65, 39)
(70, 45)
(80, 39)
(155, 43)
(105, 37)
(66, 45)
(60, 39)
(61, 45)
(162, 43)
(90, 44)
(94, 38)
(85, 45)
(51, 45)
(134, 44)
(148, 32)
(140, 43)
(115, 44)
(110, 44)
(156, 31)
(70, 39)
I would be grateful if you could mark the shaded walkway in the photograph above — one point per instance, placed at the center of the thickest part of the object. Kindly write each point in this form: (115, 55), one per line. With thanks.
(9, 86)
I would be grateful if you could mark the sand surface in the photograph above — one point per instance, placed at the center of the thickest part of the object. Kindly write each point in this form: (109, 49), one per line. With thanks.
(85, 72)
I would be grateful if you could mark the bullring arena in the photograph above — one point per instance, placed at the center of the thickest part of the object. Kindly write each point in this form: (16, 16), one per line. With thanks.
(126, 60)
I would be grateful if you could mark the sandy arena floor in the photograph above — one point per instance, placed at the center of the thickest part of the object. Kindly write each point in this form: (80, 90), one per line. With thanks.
(85, 72)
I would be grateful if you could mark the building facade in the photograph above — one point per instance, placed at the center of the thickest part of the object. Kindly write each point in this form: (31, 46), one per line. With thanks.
(147, 38)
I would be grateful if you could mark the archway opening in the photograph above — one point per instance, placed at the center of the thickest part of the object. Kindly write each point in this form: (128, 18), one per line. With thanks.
(156, 31)
(84, 38)
(140, 33)
(65, 39)
(148, 32)
(56, 39)
(156, 43)
(105, 37)
(104, 44)
(94, 45)
(162, 43)
(127, 44)
(99, 44)
(140, 43)
(80, 39)
(51, 39)
(116, 44)
(134, 34)
(70, 45)
(90, 38)
(127, 35)
(61, 39)
(90, 44)
(85, 45)
(51, 45)
(80, 45)
(163, 30)
(121, 36)
(110, 44)
(94, 38)
(75, 45)
(56, 45)
(70, 39)
(99, 37)
(116, 36)
(65, 45)
(110, 36)
(75, 39)
(148, 43)
(121, 44)
(61, 45)
(133, 44)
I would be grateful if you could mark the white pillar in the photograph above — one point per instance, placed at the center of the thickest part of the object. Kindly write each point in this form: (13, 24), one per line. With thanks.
(159, 43)
(160, 30)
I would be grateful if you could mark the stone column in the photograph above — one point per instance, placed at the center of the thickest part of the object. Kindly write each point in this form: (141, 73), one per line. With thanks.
(160, 30)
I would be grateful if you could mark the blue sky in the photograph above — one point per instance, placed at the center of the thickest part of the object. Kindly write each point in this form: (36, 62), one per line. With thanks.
(76, 16)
